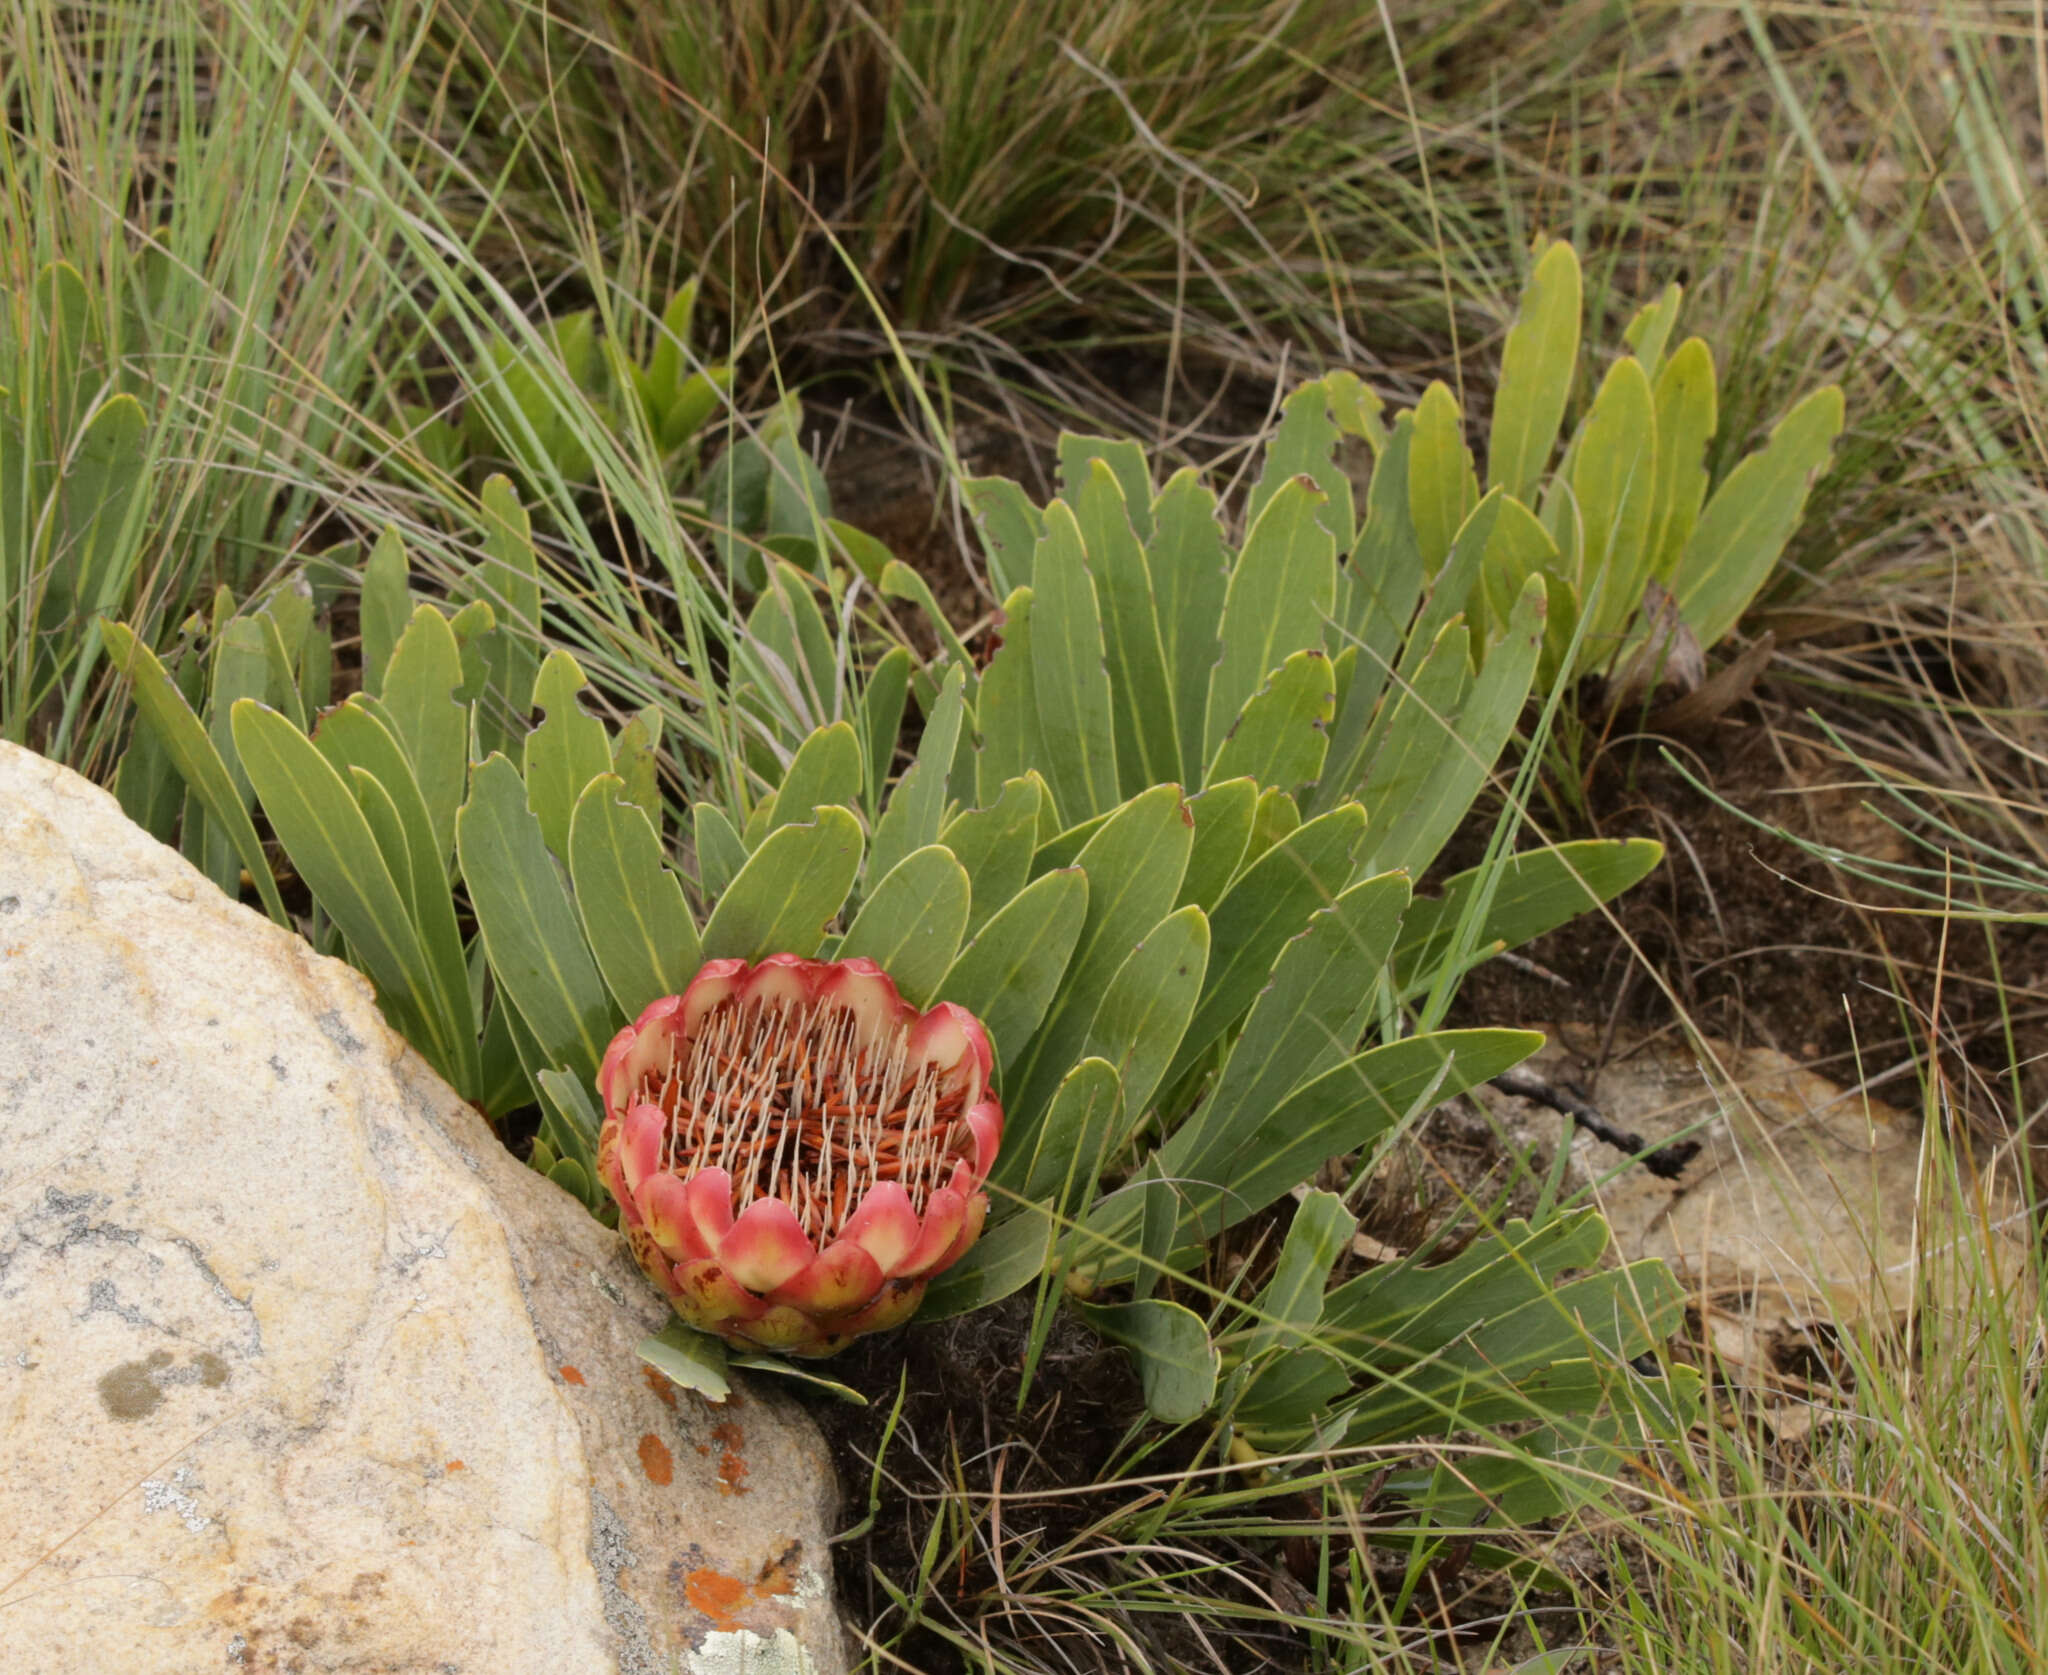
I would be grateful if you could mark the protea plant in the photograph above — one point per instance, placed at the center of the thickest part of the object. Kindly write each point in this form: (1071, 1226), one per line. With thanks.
(795, 1149)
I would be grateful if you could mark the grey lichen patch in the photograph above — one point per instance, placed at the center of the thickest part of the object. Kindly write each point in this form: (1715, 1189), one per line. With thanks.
(102, 1297)
(179, 1495)
(610, 1552)
(131, 1391)
(743, 1652)
(335, 1027)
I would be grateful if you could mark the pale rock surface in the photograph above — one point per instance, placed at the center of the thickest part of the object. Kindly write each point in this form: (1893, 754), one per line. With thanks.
(299, 1369)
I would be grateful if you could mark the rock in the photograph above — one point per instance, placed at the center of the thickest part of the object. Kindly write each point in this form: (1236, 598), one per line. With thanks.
(299, 1369)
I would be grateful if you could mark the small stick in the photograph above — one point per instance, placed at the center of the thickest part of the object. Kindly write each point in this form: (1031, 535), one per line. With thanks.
(1667, 1162)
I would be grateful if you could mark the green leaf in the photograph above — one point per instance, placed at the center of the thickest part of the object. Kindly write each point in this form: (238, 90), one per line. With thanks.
(1531, 893)
(1614, 479)
(790, 648)
(1416, 738)
(917, 807)
(995, 845)
(1443, 487)
(529, 925)
(388, 828)
(1223, 828)
(1292, 1302)
(634, 754)
(1688, 414)
(420, 707)
(881, 720)
(1306, 1018)
(472, 627)
(1006, 711)
(386, 607)
(164, 709)
(789, 890)
(316, 670)
(281, 690)
(1008, 975)
(1279, 1403)
(357, 743)
(1064, 1154)
(1134, 866)
(689, 1358)
(1062, 849)
(95, 498)
(631, 905)
(1077, 742)
(825, 772)
(1517, 548)
(332, 847)
(899, 581)
(509, 579)
(1005, 1259)
(1010, 527)
(147, 784)
(1176, 1362)
(503, 1085)
(721, 851)
(1190, 571)
(1420, 797)
(1139, 1024)
(668, 365)
(574, 1179)
(1417, 1305)
(1377, 594)
(565, 752)
(1450, 594)
(1260, 914)
(1752, 515)
(1274, 818)
(1281, 736)
(354, 735)
(1530, 1360)
(1306, 446)
(1280, 596)
(1125, 460)
(801, 1373)
(569, 1116)
(241, 669)
(1343, 1110)
(1650, 330)
(867, 555)
(1536, 368)
(1147, 738)
(1382, 580)
(912, 921)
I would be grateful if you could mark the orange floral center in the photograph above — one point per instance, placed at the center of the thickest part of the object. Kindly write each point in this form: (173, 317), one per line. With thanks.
(804, 1102)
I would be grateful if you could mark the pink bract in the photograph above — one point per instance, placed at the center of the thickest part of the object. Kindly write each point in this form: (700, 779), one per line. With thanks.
(796, 1150)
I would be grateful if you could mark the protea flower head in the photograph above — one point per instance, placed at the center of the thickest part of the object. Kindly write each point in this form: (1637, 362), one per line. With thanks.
(795, 1149)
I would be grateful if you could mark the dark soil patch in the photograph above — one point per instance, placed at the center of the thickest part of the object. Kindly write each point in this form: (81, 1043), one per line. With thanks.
(1761, 943)
(944, 1436)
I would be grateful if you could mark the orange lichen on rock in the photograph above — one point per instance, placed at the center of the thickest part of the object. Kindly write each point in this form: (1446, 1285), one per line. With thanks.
(656, 1461)
(721, 1598)
(658, 1382)
(571, 1376)
(732, 1464)
(718, 1596)
(455, 1465)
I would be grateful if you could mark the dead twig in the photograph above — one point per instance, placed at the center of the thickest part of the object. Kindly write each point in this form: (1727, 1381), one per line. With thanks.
(1666, 1162)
